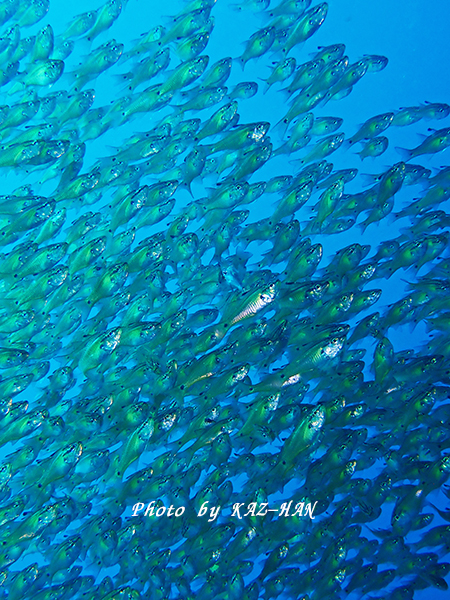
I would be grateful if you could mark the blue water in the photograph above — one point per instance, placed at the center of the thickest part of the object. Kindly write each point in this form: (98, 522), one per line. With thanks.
(415, 40)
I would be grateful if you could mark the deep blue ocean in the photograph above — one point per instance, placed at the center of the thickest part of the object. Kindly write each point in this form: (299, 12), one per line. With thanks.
(118, 388)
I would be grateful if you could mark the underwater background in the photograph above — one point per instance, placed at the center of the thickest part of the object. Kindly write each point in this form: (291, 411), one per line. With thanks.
(208, 298)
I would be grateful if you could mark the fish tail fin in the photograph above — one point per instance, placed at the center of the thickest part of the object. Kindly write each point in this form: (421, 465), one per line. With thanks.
(17, 86)
(326, 99)
(241, 60)
(268, 85)
(401, 214)
(124, 78)
(297, 162)
(189, 188)
(186, 185)
(95, 566)
(286, 92)
(84, 44)
(266, 261)
(90, 36)
(404, 153)
(363, 226)
(116, 118)
(403, 237)
(177, 108)
(278, 151)
(346, 144)
(72, 80)
(281, 127)
(368, 179)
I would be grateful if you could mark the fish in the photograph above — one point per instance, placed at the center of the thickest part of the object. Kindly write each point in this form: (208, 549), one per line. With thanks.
(374, 147)
(222, 356)
(282, 71)
(258, 44)
(436, 142)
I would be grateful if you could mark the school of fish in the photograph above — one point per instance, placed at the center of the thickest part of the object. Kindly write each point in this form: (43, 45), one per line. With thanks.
(175, 328)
